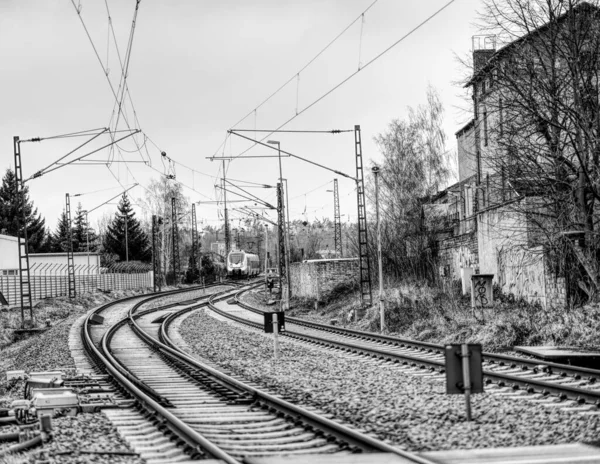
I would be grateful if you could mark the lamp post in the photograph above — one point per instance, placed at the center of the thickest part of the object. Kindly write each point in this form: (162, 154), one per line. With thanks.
(87, 237)
(286, 238)
(375, 170)
(266, 253)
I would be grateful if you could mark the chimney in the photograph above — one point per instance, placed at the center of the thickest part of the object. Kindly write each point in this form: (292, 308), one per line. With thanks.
(484, 47)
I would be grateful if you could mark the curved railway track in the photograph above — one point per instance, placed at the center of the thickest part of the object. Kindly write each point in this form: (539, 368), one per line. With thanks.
(547, 381)
(202, 412)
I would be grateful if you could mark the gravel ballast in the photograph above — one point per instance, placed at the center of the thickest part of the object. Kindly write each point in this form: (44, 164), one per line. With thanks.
(50, 351)
(412, 412)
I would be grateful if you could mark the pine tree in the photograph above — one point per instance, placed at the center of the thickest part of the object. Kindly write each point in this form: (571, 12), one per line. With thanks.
(60, 238)
(11, 212)
(136, 239)
(80, 238)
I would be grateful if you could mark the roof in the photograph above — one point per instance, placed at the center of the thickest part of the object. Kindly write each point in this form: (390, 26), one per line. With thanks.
(8, 238)
(465, 128)
(64, 253)
(581, 7)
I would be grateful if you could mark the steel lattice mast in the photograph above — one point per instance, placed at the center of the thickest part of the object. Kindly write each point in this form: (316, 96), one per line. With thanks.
(366, 296)
(227, 237)
(337, 221)
(194, 261)
(70, 261)
(156, 254)
(281, 238)
(24, 281)
(175, 238)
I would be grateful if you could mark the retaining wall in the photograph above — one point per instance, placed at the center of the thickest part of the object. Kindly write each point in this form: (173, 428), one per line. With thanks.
(315, 279)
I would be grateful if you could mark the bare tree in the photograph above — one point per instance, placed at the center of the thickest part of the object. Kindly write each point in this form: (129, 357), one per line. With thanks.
(414, 168)
(158, 201)
(538, 123)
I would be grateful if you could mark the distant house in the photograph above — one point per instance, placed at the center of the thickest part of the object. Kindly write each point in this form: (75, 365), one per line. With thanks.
(488, 222)
(44, 263)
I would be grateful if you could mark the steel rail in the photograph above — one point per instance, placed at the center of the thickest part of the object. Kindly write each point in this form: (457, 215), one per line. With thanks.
(196, 443)
(579, 395)
(333, 428)
(500, 359)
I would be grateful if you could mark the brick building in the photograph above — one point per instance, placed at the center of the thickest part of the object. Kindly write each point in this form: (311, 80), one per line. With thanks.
(503, 215)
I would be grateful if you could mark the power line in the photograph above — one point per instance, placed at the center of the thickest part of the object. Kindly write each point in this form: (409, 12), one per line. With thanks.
(346, 79)
(297, 74)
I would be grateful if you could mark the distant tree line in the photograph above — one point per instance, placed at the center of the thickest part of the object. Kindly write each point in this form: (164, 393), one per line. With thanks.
(123, 228)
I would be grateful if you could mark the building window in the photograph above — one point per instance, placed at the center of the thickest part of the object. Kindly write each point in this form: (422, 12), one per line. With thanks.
(10, 272)
(485, 129)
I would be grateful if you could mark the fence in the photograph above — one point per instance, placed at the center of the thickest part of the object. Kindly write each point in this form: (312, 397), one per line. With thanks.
(52, 280)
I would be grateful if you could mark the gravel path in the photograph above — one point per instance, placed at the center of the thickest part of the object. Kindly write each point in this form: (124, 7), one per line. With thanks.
(412, 412)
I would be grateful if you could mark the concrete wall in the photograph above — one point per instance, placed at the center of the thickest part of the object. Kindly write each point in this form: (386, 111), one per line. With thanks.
(315, 279)
(459, 252)
(467, 162)
(56, 263)
(497, 229)
(522, 273)
(9, 252)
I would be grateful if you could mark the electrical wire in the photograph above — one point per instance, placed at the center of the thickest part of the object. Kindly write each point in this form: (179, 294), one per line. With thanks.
(296, 74)
(346, 79)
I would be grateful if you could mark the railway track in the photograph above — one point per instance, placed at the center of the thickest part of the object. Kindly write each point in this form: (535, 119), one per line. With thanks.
(577, 388)
(194, 411)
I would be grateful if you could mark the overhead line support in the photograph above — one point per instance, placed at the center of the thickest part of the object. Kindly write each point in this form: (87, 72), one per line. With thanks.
(21, 222)
(70, 260)
(287, 153)
(366, 296)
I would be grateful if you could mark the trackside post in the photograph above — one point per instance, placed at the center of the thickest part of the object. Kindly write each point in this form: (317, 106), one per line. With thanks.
(274, 322)
(463, 371)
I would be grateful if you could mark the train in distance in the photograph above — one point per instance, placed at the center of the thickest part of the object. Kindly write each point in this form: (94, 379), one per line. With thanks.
(241, 264)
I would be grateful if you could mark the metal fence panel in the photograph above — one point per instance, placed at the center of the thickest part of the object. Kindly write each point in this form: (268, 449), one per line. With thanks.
(50, 286)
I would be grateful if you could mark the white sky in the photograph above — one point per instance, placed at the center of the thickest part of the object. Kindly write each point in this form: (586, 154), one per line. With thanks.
(198, 67)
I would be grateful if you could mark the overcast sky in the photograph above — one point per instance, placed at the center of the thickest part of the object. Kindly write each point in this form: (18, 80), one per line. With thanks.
(197, 67)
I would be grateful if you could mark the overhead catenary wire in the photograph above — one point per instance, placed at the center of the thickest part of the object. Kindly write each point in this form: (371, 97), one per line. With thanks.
(347, 78)
(292, 155)
(49, 168)
(311, 61)
(84, 133)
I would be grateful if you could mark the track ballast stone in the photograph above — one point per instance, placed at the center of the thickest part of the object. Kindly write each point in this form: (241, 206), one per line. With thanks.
(412, 412)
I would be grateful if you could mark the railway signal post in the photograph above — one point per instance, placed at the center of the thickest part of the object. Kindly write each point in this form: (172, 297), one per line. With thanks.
(464, 373)
(274, 322)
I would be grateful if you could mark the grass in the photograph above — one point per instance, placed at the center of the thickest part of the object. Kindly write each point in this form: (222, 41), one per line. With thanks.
(443, 315)
(51, 311)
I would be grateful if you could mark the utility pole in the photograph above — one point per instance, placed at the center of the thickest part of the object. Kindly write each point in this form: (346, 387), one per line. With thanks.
(126, 240)
(70, 261)
(287, 246)
(227, 238)
(337, 222)
(366, 296)
(266, 252)
(156, 221)
(194, 261)
(175, 237)
(281, 247)
(87, 238)
(23, 242)
(375, 170)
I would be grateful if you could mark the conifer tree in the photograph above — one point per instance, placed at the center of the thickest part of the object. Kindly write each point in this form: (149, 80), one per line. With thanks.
(80, 238)
(138, 245)
(60, 238)
(11, 213)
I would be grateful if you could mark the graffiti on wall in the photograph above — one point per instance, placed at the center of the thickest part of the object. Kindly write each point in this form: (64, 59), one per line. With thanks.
(521, 272)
